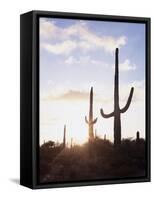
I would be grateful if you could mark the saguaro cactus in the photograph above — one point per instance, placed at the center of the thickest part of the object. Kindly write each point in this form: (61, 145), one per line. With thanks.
(117, 111)
(91, 121)
(104, 136)
(64, 137)
(71, 142)
(137, 136)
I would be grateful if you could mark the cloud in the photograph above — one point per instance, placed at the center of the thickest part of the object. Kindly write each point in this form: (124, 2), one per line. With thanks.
(71, 60)
(57, 39)
(62, 48)
(84, 60)
(103, 94)
(75, 95)
(48, 28)
(126, 66)
(78, 95)
(69, 95)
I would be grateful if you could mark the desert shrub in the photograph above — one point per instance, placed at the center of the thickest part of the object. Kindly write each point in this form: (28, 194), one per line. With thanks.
(95, 160)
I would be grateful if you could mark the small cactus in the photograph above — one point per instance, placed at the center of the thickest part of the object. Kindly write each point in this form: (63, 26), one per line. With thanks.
(71, 142)
(137, 136)
(91, 121)
(104, 136)
(64, 137)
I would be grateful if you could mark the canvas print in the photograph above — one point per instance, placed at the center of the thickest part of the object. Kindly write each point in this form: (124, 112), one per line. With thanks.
(91, 100)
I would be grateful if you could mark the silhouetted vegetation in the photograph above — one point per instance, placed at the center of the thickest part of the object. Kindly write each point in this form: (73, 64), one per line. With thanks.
(117, 110)
(91, 121)
(98, 158)
(93, 160)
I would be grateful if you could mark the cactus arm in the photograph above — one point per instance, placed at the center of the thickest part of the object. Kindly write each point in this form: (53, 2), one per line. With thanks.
(124, 109)
(106, 115)
(86, 120)
(94, 121)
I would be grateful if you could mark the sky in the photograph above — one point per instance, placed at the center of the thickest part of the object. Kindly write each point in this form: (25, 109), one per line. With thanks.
(76, 55)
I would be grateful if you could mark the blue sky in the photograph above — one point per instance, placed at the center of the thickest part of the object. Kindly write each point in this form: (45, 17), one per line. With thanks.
(78, 54)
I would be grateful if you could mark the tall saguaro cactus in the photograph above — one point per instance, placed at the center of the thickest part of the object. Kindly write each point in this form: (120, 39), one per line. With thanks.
(64, 137)
(117, 111)
(91, 121)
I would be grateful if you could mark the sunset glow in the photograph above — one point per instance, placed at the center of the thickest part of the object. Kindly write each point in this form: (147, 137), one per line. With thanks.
(76, 55)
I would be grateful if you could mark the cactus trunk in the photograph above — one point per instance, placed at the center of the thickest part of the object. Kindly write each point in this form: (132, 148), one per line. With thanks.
(117, 119)
(91, 133)
(71, 142)
(91, 122)
(104, 136)
(64, 137)
(117, 111)
(137, 137)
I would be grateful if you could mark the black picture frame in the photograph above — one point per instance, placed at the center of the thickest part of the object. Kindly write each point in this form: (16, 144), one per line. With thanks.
(29, 97)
